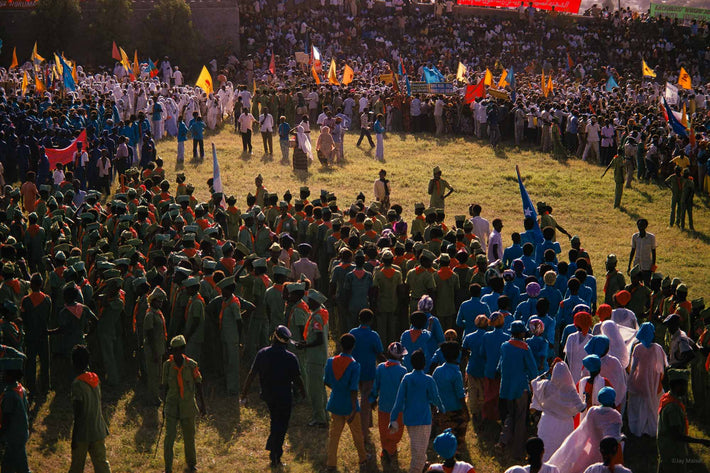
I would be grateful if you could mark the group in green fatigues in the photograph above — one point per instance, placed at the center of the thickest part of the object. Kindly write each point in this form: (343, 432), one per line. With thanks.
(315, 345)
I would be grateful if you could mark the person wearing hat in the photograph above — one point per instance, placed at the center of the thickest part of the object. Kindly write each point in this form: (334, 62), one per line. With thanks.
(13, 288)
(89, 429)
(388, 376)
(194, 317)
(614, 279)
(680, 346)
(227, 310)
(451, 390)
(337, 289)
(648, 364)
(108, 328)
(387, 279)
(274, 304)
(154, 342)
(683, 307)
(14, 406)
(36, 310)
(446, 282)
(182, 396)
(676, 182)
(262, 236)
(446, 445)
(297, 314)
(178, 297)
(420, 279)
(673, 439)
(590, 385)
(357, 284)
(517, 367)
(260, 190)
(35, 240)
(257, 330)
(643, 251)
(437, 190)
(315, 345)
(279, 373)
(419, 223)
(470, 309)
(621, 315)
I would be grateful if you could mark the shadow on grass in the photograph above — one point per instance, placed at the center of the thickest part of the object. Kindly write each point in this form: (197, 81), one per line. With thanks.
(700, 236)
(645, 195)
(500, 153)
(302, 439)
(633, 215)
(57, 422)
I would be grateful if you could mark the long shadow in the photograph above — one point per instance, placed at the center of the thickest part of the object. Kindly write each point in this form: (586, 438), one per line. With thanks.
(631, 213)
(700, 236)
(644, 194)
(57, 423)
(302, 439)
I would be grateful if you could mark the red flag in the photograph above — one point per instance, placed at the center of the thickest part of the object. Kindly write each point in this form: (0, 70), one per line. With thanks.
(570, 63)
(272, 64)
(114, 53)
(474, 91)
(65, 155)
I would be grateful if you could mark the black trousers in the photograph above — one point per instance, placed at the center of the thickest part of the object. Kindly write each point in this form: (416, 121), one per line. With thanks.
(280, 414)
(364, 132)
(37, 349)
(195, 144)
(246, 141)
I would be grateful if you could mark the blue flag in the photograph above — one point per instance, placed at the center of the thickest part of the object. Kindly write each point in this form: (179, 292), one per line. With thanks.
(409, 86)
(611, 83)
(511, 81)
(529, 208)
(69, 83)
(677, 126)
(432, 75)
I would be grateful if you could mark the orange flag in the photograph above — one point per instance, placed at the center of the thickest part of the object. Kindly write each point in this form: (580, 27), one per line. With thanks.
(315, 74)
(348, 75)
(14, 58)
(272, 64)
(136, 66)
(39, 85)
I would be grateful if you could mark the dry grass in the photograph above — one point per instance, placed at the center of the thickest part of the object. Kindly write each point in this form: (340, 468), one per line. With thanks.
(582, 204)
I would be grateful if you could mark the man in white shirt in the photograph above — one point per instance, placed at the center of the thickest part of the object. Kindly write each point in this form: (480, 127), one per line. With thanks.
(643, 250)
(177, 77)
(81, 159)
(439, 115)
(245, 121)
(104, 171)
(593, 130)
(495, 242)
(382, 190)
(481, 227)
(266, 125)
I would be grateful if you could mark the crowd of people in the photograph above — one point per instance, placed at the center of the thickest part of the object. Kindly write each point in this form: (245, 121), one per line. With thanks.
(112, 273)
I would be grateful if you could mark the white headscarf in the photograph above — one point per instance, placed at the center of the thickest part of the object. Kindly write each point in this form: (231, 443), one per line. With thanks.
(304, 142)
(620, 340)
(558, 395)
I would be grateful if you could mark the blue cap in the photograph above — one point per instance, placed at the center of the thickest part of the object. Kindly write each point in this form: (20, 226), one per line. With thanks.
(517, 327)
(607, 397)
(597, 345)
(646, 334)
(445, 444)
(593, 363)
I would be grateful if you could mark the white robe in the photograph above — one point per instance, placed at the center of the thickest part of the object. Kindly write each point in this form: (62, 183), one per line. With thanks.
(620, 340)
(574, 351)
(559, 402)
(581, 448)
(613, 371)
(647, 366)
(625, 317)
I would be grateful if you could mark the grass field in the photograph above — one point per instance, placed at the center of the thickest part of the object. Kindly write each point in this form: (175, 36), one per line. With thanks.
(582, 203)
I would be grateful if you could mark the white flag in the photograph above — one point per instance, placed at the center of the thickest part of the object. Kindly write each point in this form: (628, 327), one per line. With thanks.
(671, 94)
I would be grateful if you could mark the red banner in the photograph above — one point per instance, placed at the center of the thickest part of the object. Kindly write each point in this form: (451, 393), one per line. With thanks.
(567, 6)
(64, 155)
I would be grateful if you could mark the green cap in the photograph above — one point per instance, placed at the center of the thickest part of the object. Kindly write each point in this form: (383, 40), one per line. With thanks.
(178, 342)
(191, 282)
(677, 375)
(635, 271)
(317, 296)
(226, 282)
(282, 270)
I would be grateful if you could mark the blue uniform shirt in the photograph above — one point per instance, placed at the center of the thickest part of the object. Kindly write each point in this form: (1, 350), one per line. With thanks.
(342, 381)
(468, 311)
(437, 333)
(517, 368)
(526, 309)
(553, 296)
(511, 253)
(197, 128)
(438, 359)
(450, 384)
(474, 343)
(367, 346)
(539, 347)
(388, 377)
(564, 315)
(182, 132)
(490, 350)
(416, 393)
(412, 342)
(544, 246)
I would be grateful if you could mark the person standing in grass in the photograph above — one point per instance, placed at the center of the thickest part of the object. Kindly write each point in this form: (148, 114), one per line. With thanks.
(379, 130)
(89, 431)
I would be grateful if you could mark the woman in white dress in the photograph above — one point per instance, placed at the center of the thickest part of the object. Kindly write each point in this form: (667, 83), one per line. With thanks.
(557, 398)
(574, 346)
(648, 362)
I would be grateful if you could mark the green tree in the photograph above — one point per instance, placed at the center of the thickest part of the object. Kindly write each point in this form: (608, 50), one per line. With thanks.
(169, 32)
(57, 22)
(107, 21)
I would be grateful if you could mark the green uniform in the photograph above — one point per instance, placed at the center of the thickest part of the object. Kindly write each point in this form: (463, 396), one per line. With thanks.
(35, 241)
(618, 164)
(673, 453)
(296, 317)
(676, 184)
(108, 330)
(262, 241)
(257, 333)
(447, 283)
(275, 306)
(176, 325)
(72, 331)
(14, 290)
(386, 280)
(195, 326)
(180, 406)
(316, 358)
(36, 309)
(420, 281)
(89, 431)
(437, 190)
(229, 319)
(154, 340)
(615, 282)
(686, 202)
(15, 428)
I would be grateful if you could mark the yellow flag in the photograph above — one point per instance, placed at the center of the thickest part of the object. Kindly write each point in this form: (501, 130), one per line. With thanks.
(36, 58)
(58, 68)
(550, 88)
(461, 73)
(125, 62)
(684, 79)
(503, 82)
(39, 85)
(204, 82)
(543, 87)
(14, 58)
(647, 71)
(348, 75)
(136, 66)
(488, 78)
(332, 77)
(24, 83)
(74, 75)
(253, 85)
(315, 74)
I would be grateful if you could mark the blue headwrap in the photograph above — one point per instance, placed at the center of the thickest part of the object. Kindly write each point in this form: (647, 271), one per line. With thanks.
(646, 334)
(593, 363)
(597, 345)
(607, 397)
(445, 444)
